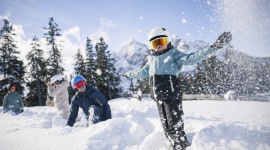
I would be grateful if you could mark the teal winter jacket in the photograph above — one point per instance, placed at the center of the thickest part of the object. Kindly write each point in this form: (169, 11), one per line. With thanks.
(170, 62)
(13, 102)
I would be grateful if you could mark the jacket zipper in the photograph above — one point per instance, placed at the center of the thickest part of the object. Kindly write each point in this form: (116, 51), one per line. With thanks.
(154, 83)
(99, 102)
(171, 84)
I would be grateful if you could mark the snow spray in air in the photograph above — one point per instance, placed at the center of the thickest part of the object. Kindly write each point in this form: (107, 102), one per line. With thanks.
(249, 23)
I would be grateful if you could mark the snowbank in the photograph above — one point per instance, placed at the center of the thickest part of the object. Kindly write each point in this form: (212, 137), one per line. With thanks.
(135, 125)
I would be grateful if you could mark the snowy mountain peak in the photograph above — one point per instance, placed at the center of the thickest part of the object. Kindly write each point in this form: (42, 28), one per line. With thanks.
(188, 46)
(133, 47)
(132, 54)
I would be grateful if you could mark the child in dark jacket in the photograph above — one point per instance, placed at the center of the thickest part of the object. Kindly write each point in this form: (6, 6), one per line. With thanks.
(162, 69)
(93, 103)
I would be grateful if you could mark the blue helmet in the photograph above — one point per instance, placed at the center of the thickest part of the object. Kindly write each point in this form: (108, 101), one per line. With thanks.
(76, 79)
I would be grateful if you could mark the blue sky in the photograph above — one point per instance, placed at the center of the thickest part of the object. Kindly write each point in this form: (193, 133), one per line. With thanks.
(120, 21)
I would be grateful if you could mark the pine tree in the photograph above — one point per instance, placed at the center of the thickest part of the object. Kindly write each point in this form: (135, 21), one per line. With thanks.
(131, 87)
(114, 78)
(12, 69)
(55, 58)
(190, 84)
(79, 68)
(207, 80)
(71, 90)
(107, 79)
(101, 66)
(37, 75)
(90, 63)
(200, 79)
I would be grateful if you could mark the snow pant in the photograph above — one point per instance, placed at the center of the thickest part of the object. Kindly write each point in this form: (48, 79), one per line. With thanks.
(97, 114)
(170, 113)
(62, 108)
(166, 91)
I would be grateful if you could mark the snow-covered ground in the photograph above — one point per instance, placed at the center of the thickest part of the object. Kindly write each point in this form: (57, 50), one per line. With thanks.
(210, 125)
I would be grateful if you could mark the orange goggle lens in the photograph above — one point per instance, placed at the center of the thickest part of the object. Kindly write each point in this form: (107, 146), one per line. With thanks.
(159, 42)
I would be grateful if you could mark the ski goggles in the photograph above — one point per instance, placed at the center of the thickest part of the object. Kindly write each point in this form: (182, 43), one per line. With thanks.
(79, 84)
(163, 41)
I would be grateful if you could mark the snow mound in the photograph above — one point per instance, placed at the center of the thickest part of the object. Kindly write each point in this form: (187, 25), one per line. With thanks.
(136, 125)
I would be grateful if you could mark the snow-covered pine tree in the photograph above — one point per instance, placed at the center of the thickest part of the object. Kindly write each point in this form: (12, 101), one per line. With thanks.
(106, 74)
(101, 66)
(37, 75)
(183, 82)
(247, 73)
(190, 87)
(114, 78)
(71, 90)
(131, 86)
(79, 66)
(55, 58)
(211, 77)
(12, 69)
(90, 63)
(200, 77)
(222, 77)
(229, 67)
(263, 75)
(238, 72)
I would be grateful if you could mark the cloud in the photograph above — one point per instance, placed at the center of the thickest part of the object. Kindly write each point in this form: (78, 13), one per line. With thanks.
(3, 17)
(100, 33)
(70, 47)
(141, 17)
(19, 30)
(107, 23)
(74, 31)
(103, 31)
(6, 15)
(22, 43)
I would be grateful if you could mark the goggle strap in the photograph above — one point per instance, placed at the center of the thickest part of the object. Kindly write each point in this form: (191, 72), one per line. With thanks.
(156, 37)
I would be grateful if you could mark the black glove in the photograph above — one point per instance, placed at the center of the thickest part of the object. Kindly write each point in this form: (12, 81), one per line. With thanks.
(125, 76)
(222, 40)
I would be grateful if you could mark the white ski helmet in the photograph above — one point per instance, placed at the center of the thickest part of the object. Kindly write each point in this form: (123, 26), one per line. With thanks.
(157, 33)
(57, 79)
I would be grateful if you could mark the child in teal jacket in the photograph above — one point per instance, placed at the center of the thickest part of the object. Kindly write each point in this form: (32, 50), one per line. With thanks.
(13, 100)
(162, 68)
